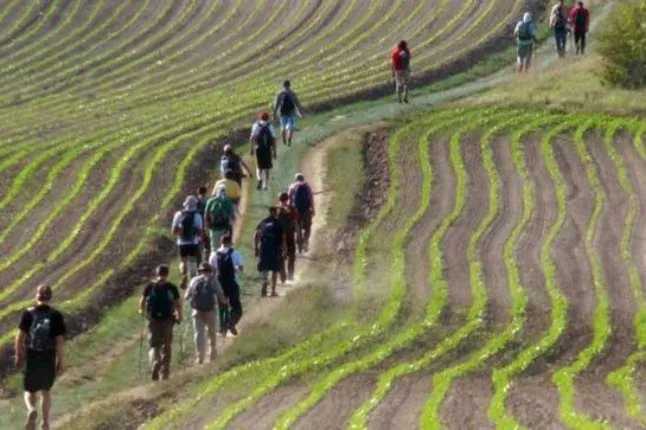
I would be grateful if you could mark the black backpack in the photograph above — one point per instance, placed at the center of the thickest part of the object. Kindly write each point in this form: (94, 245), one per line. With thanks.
(187, 226)
(287, 105)
(264, 138)
(159, 302)
(405, 58)
(267, 238)
(40, 330)
(226, 267)
(203, 299)
(560, 19)
(302, 198)
(231, 163)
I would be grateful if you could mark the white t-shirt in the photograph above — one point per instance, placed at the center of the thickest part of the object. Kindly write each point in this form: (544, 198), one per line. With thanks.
(256, 129)
(197, 223)
(235, 256)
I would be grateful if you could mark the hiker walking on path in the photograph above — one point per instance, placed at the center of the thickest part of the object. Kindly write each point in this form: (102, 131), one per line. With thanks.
(232, 161)
(263, 147)
(231, 186)
(288, 217)
(39, 348)
(228, 262)
(161, 304)
(204, 248)
(288, 105)
(203, 294)
(269, 248)
(525, 35)
(301, 198)
(220, 214)
(559, 23)
(188, 228)
(580, 22)
(400, 62)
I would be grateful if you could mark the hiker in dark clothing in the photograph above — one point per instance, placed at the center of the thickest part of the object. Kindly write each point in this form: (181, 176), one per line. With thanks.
(232, 161)
(580, 22)
(228, 262)
(205, 248)
(301, 198)
(289, 107)
(558, 22)
(287, 216)
(39, 347)
(188, 228)
(263, 147)
(269, 248)
(161, 304)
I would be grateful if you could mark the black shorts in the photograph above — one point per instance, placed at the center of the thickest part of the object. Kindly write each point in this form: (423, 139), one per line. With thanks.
(191, 250)
(40, 371)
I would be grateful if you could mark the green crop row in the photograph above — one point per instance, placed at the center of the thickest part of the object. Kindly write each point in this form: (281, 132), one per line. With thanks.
(443, 380)
(34, 9)
(32, 30)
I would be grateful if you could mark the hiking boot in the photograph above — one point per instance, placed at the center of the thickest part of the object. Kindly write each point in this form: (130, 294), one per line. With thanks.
(32, 416)
(233, 330)
(289, 143)
(259, 185)
(263, 290)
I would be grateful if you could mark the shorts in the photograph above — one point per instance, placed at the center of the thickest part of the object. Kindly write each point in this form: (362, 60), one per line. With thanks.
(401, 77)
(189, 251)
(270, 260)
(524, 51)
(288, 122)
(40, 371)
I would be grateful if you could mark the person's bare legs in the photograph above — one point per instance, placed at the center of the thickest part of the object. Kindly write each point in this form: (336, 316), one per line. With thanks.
(274, 280)
(32, 413)
(45, 406)
(284, 134)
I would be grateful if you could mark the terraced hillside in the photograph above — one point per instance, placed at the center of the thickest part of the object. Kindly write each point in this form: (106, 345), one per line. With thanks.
(513, 282)
(105, 107)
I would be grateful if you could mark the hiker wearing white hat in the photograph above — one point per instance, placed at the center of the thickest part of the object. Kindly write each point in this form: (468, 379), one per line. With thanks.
(188, 228)
(525, 35)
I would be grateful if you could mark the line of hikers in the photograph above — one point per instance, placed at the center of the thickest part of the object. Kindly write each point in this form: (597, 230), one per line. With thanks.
(563, 21)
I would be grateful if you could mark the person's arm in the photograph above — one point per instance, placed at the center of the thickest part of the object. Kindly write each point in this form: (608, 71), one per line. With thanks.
(237, 260)
(178, 304)
(252, 139)
(246, 167)
(142, 304)
(175, 229)
(20, 348)
(256, 242)
(189, 291)
(276, 104)
(309, 189)
(60, 355)
(297, 103)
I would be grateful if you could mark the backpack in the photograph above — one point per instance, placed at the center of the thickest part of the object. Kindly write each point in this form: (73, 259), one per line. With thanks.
(302, 198)
(230, 163)
(579, 19)
(405, 58)
(159, 303)
(203, 299)
(264, 137)
(286, 219)
(267, 238)
(560, 19)
(226, 267)
(219, 214)
(40, 330)
(287, 106)
(524, 31)
(187, 226)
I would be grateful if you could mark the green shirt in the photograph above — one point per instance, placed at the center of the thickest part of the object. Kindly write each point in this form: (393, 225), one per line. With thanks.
(220, 212)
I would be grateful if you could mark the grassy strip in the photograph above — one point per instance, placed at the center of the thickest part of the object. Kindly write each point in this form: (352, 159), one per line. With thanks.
(442, 381)
(623, 378)
(564, 377)
(32, 30)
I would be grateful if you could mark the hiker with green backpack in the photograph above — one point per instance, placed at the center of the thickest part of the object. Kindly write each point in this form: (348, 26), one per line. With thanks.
(203, 294)
(188, 228)
(580, 22)
(162, 306)
(219, 216)
(525, 35)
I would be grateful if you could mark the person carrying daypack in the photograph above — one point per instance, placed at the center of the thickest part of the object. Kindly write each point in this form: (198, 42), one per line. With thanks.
(580, 22)
(301, 198)
(231, 186)
(188, 228)
(269, 248)
(400, 58)
(525, 35)
(39, 348)
(203, 294)
(289, 107)
(263, 147)
(220, 214)
(161, 304)
(288, 217)
(232, 161)
(558, 22)
(228, 262)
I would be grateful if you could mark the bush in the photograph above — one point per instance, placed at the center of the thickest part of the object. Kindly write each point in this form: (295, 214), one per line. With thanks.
(622, 45)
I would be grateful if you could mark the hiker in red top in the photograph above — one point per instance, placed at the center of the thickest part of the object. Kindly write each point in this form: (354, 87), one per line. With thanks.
(400, 61)
(580, 22)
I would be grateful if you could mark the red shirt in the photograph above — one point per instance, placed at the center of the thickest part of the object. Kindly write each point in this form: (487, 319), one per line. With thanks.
(574, 12)
(396, 58)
